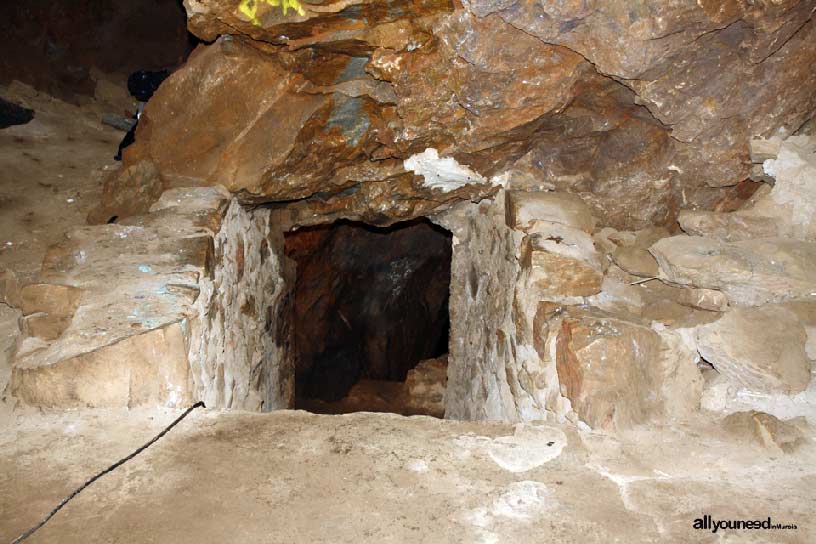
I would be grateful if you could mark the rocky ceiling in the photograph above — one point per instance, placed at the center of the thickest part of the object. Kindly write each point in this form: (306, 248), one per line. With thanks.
(641, 107)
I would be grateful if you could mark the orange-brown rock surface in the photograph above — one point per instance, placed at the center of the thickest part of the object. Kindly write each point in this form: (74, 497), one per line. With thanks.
(641, 109)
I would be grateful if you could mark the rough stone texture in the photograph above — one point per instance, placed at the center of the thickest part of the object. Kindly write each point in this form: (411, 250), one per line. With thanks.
(48, 309)
(710, 70)
(640, 111)
(786, 210)
(761, 149)
(612, 356)
(806, 312)
(483, 349)
(181, 303)
(425, 387)
(618, 373)
(9, 338)
(612, 153)
(128, 191)
(562, 261)
(636, 260)
(136, 278)
(762, 348)
(766, 430)
(240, 352)
(55, 300)
(526, 209)
(146, 369)
(750, 272)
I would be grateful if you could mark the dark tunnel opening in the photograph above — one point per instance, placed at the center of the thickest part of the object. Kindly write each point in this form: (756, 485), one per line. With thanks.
(369, 305)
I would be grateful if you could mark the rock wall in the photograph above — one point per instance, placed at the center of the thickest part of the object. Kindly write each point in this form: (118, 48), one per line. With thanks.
(9, 337)
(543, 326)
(642, 110)
(482, 344)
(188, 302)
(240, 349)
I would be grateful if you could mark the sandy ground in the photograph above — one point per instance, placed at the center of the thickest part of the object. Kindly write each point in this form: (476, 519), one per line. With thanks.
(51, 171)
(295, 477)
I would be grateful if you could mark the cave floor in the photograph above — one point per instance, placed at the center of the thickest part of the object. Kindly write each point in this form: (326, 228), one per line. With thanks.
(51, 172)
(292, 477)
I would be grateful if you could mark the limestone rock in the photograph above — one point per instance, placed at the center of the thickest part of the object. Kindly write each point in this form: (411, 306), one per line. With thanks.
(240, 341)
(609, 151)
(54, 300)
(147, 369)
(637, 261)
(786, 210)
(425, 387)
(630, 249)
(806, 313)
(645, 109)
(9, 288)
(48, 309)
(704, 299)
(792, 201)
(718, 390)
(9, 339)
(750, 272)
(338, 134)
(526, 209)
(562, 261)
(618, 373)
(104, 287)
(766, 430)
(483, 373)
(694, 66)
(762, 348)
(730, 227)
(128, 191)
(764, 149)
(44, 326)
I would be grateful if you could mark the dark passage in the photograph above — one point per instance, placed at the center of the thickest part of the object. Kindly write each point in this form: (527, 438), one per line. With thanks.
(369, 304)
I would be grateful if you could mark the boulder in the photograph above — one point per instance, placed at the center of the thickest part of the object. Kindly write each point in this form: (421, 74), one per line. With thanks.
(636, 260)
(107, 325)
(785, 210)
(749, 272)
(762, 149)
(716, 72)
(553, 93)
(128, 191)
(618, 373)
(761, 348)
(9, 339)
(54, 300)
(765, 430)
(146, 369)
(527, 209)
(425, 387)
(561, 261)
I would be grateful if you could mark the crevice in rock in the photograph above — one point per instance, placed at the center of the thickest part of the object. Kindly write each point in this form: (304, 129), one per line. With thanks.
(369, 304)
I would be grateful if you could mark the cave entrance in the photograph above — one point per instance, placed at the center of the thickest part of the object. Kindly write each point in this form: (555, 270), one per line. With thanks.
(370, 317)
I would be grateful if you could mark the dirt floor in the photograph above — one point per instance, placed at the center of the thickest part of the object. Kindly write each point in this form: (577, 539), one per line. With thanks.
(293, 477)
(51, 172)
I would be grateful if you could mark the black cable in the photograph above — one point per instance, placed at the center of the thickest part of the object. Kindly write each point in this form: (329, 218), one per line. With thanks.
(114, 466)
